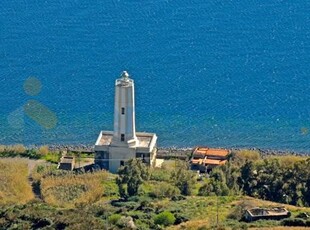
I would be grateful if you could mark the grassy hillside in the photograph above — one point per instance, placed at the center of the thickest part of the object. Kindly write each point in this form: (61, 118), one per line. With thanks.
(202, 212)
(168, 198)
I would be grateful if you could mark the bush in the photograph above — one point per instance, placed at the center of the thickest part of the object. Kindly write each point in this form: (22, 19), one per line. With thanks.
(236, 213)
(303, 215)
(165, 218)
(113, 219)
(245, 154)
(141, 225)
(178, 197)
(32, 154)
(130, 205)
(52, 157)
(180, 218)
(293, 222)
(131, 176)
(183, 178)
(43, 150)
(214, 188)
(126, 222)
(160, 175)
(163, 189)
(111, 188)
(10, 151)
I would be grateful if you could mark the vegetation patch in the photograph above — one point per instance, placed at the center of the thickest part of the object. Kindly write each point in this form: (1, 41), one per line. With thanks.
(73, 189)
(157, 189)
(164, 218)
(14, 183)
(172, 197)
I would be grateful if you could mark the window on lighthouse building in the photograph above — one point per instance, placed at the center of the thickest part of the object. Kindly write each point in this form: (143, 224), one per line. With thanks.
(122, 137)
(123, 110)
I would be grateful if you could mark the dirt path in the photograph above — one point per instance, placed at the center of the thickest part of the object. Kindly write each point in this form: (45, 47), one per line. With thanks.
(35, 185)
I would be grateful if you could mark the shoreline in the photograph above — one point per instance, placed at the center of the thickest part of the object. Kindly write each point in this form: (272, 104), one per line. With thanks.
(165, 150)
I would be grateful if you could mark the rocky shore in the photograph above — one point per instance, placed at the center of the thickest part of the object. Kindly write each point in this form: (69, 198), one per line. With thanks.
(171, 151)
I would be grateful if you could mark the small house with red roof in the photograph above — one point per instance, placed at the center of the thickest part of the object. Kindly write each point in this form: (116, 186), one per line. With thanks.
(205, 159)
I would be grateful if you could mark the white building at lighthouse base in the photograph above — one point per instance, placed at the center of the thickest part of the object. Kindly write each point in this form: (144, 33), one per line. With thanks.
(111, 157)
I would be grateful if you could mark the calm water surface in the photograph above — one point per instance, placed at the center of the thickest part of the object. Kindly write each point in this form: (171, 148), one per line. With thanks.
(218, 73)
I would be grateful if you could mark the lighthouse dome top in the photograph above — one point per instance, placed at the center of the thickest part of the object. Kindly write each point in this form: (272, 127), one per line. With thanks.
(125, 75)
(124, 79)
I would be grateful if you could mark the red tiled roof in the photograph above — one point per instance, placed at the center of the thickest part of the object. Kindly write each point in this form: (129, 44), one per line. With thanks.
(211, 152)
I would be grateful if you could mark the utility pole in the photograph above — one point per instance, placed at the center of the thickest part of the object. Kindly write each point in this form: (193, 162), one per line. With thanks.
(217, 212)
(79, 155)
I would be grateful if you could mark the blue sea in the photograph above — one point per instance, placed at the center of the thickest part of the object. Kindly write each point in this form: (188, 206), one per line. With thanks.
(224, 73)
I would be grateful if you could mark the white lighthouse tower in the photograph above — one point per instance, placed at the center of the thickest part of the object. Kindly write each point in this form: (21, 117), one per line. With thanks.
(124, 112)
(114, 148)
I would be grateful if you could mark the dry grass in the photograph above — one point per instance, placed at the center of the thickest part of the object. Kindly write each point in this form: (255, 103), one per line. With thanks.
(43, 150)
(19, 149)
(73, 190)
(253, 202)
(281, 228)
(191, 225)
(246, 154)
(14, 187)
(289, 160)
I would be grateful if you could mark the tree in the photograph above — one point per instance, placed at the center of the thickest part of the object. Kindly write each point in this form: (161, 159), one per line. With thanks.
(232, 173)
(132, 175)
(218, 175)
(183, 178)
(246, 178)
(214, 187)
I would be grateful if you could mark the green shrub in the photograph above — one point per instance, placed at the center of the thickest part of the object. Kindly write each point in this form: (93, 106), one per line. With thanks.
(178, 197)
(180, 218)
(160, 175)
(183, 178)
(134, 198)
(303, 215)
(165, 218)
(293, 222)
(236, 213)
(131, 176)
(18, 151)
(51, 157)
(110, 188)
(141, 225)
(113, 219)
(163, 189)
(213, 187)
(130, 205)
